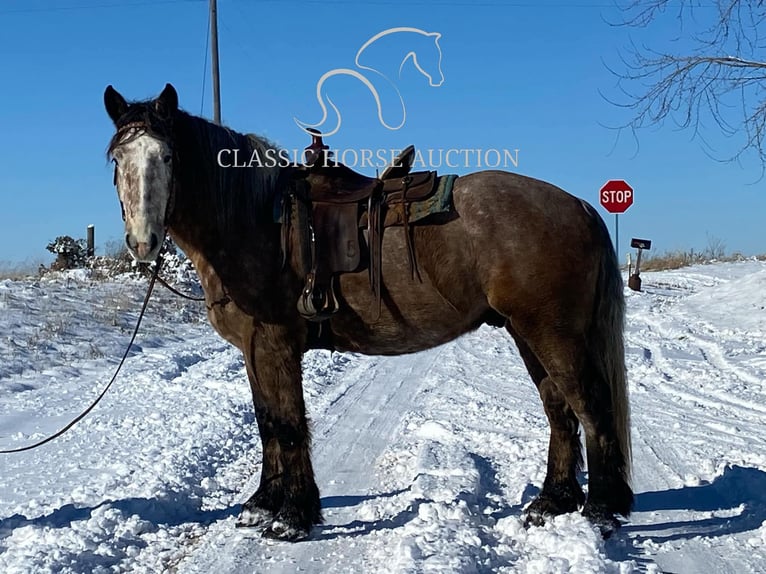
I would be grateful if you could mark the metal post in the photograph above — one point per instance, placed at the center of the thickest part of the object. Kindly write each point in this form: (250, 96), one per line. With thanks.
(91, 241)
(214, 57)
(617, 234)
(634, 280)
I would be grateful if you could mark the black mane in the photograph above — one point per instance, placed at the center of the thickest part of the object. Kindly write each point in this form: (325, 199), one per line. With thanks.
(236, 196)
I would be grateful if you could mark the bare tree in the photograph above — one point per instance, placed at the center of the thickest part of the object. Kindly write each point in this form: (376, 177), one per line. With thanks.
(716, 248)
(718, 72)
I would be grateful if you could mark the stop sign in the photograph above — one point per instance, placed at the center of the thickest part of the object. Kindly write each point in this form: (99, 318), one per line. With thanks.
(616, 196)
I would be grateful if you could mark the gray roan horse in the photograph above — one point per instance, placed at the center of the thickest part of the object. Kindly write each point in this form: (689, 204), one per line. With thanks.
(519, 253)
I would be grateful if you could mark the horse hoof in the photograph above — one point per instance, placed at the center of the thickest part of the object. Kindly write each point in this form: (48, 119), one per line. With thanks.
(279, 530)
(534, 518)
(547, 506)
(604, 520)
(254, 518)
(607, 526)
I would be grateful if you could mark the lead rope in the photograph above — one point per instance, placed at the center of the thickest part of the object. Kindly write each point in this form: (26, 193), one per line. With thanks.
(122, 362)
(177, 292)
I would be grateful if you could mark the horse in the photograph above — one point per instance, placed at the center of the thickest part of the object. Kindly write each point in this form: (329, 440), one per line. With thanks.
(518, 253)
(431, 53)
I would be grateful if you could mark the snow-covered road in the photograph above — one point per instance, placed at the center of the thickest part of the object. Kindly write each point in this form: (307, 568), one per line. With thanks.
(424, 461)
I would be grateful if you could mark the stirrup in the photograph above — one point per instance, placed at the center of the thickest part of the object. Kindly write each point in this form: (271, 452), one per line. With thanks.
(316, 303)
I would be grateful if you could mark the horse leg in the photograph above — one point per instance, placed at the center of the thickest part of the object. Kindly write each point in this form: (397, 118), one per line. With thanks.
(287, 490)
(561, 493)
(261, 507)
(585, 389)
(609, 490)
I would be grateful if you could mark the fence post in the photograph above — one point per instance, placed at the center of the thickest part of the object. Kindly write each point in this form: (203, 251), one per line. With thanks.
(91, 245)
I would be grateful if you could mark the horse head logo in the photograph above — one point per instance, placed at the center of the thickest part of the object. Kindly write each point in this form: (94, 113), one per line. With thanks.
(426, 57)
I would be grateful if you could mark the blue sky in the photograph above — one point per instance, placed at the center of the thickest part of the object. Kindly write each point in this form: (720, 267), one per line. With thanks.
(520, 75)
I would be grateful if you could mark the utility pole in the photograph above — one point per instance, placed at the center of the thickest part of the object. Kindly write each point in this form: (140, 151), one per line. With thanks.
(214, 48)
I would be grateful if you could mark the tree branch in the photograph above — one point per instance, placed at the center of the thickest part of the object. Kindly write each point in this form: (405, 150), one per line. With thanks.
(722, 75)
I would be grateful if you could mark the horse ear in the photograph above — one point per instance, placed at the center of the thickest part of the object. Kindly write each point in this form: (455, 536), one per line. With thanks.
(115, 104)
(167, 103)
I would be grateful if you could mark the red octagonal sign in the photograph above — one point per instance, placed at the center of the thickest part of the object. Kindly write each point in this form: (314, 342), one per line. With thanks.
(616, 196)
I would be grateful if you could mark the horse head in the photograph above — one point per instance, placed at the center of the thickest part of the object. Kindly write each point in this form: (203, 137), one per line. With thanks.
(142, 152)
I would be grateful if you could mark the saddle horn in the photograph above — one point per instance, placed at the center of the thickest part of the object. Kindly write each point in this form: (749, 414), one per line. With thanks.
(316, 149)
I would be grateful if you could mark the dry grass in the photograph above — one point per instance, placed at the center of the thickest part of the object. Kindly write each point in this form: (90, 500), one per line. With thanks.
(713, 252)
(670, 260)
(678, 259)
(19, 270)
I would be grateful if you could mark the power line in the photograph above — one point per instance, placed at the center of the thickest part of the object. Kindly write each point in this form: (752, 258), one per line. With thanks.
(463, 3)
(73, 7)
(440, 3)
(356, 3)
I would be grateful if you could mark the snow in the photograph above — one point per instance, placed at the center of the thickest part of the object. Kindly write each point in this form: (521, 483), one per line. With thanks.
(425, 462)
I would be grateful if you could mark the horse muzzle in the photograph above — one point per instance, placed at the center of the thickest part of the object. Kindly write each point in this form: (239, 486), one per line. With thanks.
(143, 251)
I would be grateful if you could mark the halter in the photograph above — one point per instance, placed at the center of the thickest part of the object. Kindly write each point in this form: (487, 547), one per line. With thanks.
(170, 205)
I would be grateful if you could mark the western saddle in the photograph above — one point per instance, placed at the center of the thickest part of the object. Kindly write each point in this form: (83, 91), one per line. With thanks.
(334, 219)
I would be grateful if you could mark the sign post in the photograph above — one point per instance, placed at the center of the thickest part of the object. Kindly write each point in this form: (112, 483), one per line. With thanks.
(616, 196)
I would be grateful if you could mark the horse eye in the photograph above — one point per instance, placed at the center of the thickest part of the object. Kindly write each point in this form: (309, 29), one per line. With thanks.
(167, 159)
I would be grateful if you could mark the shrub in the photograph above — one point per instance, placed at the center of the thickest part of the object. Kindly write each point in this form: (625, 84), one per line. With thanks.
(70, 253)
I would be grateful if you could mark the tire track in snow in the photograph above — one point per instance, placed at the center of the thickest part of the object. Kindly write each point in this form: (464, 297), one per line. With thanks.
(714, 361)
(662, 532)
(350, 433)
(698, 408)
(690, 506)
